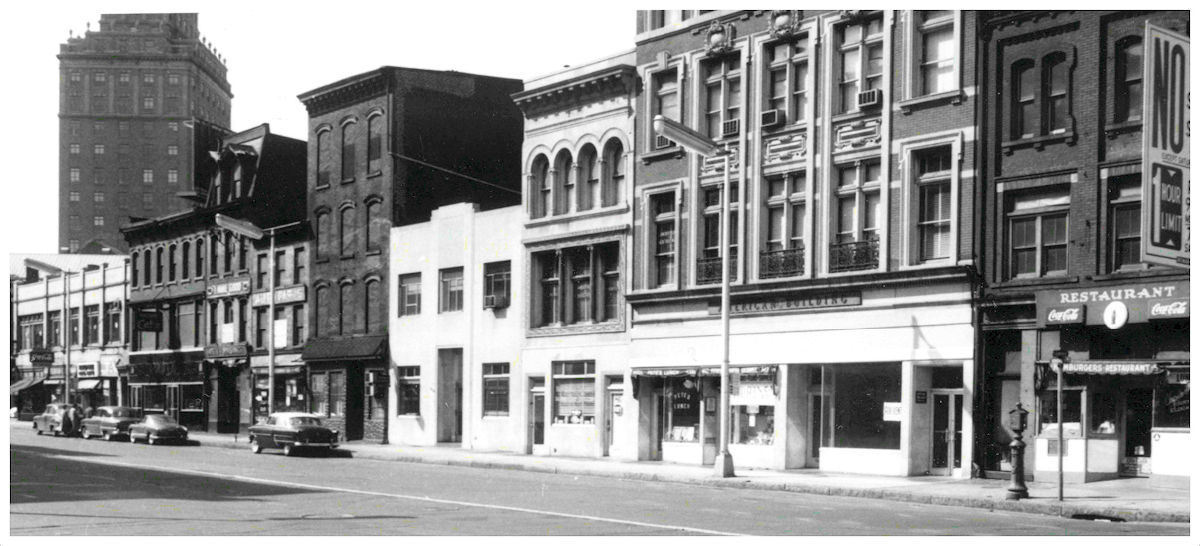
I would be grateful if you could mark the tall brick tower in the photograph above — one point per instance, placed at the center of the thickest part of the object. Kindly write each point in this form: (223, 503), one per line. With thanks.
(138, 100)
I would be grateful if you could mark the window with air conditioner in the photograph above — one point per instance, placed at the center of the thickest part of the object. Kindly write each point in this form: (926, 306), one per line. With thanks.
(496, 284)
(665, 101)
(722, 95)
(785, 88)
(859, 60)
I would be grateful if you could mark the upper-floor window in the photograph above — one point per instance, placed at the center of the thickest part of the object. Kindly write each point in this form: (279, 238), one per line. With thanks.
(1125, 222)
(937, 51)
(172, 150)
(933, 198)
(540, 192)
(374, 224)
(786, 85)
(348, 231)
(722, 95)
(450, 293)
(859, 60)
(146, 267)
(408, 296)
(322, 307)
(785, 203)
(171, 263)
(576, 285)
(564, 182)
(345, 308)
(280, 267)
(1024, 111)
(99, 77)
(199, 258)
(708, 265)
(261, 277)
(98, 149)
(1040, 97)
(133, 269)
(322, 233)
(371, 318)
(613, 172)
(857, 217)
(374, 144)
(665, 101)
(321, 159)
(299, 265)
(589, 178)
(228, 247)
(1054, 79)
(348, 152)
(1128, 80)
(158, 265)
(663, 239)
(496, 284)
(185, 253)
(1037, 233)
(658, 18)
(148, 78)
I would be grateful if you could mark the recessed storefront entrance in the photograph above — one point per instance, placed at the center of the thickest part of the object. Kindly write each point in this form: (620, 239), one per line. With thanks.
(537, 416)
(946, 450)
(450, 406)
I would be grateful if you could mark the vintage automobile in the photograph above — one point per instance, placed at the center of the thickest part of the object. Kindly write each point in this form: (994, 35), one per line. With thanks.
(155, 428)
(109, 421)
(291, 431)
(51, 420)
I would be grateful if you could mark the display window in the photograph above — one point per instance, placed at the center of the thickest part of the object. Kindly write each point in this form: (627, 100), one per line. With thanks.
(861, 404)
(681, 397)
(1072, 404)
(752, 425)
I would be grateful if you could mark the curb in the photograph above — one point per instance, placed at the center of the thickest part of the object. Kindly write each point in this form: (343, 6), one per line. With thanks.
(1028, 507)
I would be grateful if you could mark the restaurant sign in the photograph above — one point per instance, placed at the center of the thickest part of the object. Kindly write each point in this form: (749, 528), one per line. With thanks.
(793, 302)
(231, 288)
(1111, 368)
(1142, 303)
(291, 294)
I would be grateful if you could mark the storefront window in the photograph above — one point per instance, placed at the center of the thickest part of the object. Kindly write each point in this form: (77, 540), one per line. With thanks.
(290, 394)
(1103, 412)
(752, 425)
(191, 397)
(320, 393)
(1173, 402)
(408, 399)
(682, 398)
(862, 403)
(154, 398)
(575, 392)
(1048, 411)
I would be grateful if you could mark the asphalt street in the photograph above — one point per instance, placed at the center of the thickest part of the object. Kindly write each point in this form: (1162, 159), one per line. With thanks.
(70, 486)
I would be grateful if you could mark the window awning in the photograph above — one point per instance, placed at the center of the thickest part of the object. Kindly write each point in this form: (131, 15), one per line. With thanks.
(25, 383)
(710, 370)
(355, 348)
(87, 384)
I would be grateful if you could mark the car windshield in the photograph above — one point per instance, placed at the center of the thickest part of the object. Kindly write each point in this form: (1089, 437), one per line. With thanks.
(126, 412)
(159, 419)
(299, 421)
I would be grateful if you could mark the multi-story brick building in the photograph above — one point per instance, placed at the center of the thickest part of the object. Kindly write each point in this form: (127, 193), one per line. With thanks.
(1061, 166)
(385, 148)
(191, 284)
(852, 138)
(128, 95)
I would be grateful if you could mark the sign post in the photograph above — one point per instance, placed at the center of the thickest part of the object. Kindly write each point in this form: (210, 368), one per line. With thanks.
(1166, 155)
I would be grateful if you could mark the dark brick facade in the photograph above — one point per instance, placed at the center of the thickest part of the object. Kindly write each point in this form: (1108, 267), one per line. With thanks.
(128, 93)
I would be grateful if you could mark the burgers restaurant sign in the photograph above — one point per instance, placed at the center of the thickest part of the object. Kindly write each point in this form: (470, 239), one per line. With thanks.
(1114, 306)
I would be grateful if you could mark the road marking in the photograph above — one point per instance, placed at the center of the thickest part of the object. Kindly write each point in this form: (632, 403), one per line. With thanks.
(399, 496)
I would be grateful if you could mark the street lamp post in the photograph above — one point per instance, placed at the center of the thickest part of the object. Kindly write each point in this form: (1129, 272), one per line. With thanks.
(702, 145)
(249, 230)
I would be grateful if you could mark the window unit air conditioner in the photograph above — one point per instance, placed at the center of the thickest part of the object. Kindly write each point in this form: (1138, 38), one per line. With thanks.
(661, 142)
(771, 118)
(730, 127)
(870, 98)
(495, 301)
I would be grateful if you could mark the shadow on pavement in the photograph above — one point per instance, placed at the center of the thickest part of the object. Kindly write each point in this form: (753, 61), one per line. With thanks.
(39, 475)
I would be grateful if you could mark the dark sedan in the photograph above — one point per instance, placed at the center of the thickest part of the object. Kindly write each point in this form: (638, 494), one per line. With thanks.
(156, 428)
(291, 431)
(109, 421)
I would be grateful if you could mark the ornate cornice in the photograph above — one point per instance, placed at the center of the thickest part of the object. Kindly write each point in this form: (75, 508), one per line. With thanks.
(341, 95)
(612, 81)
(785, 23)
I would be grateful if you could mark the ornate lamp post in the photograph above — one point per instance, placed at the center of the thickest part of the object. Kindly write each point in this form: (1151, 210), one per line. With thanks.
(1016, 422)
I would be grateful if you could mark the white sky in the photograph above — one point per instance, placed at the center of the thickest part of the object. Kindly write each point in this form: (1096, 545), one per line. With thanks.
(275, 51)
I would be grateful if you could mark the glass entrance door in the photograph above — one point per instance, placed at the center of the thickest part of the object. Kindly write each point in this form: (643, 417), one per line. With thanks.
(173, 402)
(947, 433)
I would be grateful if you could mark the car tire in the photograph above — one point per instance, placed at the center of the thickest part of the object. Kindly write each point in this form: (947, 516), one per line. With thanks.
(287, 450)
(132, 438)
(107, 436)
(85, 434)
(150, 440)
(254, 446)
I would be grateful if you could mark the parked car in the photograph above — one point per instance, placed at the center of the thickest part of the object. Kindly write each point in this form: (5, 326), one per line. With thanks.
(157, 427)
(51, 420)
(109, 421)
(290, 431)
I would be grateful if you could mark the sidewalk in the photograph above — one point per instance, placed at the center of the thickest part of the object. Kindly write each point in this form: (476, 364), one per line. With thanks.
(1125, 499)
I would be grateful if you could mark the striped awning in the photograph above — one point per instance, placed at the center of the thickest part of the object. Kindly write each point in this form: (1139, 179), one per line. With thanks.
(25, 383)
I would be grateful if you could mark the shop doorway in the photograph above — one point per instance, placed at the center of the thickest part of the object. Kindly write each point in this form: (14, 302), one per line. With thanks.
(614, 410)
(173, 402)
(450, 404)
(946, 453)
(1139, 412)
(816, 407)
(537, 415)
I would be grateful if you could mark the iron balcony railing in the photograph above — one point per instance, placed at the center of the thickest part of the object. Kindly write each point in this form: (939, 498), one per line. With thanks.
(787, 262)
(708, 270)
(854, 256)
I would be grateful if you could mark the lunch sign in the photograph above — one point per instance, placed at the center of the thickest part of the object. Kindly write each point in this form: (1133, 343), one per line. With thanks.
(1166, 155)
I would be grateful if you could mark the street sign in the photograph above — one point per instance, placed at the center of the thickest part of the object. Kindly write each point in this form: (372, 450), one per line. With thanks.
(1166, 155)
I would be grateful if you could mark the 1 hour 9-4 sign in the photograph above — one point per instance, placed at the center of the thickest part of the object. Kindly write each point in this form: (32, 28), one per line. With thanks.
(1166, 159)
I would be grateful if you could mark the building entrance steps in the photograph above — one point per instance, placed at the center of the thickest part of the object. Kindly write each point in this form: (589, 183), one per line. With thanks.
(1123, 500)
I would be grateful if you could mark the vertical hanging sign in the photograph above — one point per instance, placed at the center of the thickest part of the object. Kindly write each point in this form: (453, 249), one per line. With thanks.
(1166, 158)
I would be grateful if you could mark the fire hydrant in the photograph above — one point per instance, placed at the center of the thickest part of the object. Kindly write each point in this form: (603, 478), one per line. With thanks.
(1016, 422)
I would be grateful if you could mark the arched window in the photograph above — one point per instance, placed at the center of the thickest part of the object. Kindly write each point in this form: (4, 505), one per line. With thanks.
(185, 254)
(1128, 83)
(613, 171)
(322, 306)
(243, 249)
(321, 229)
(348, 152)
(347, 231)
(374, 144)
(1024, 97)
(371, 304)
(133, 269)
(322, 153)
(146, 267)
(346, 309)
(171, 250)
(228, 253)
(199, 258)
(213, 264)
(1054, 80)
(374, 223)
(589, 178)
(539, 191)
(158, 265)
(564, 183)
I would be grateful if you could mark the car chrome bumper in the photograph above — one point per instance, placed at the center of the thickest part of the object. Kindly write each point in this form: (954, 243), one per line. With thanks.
(315, 444)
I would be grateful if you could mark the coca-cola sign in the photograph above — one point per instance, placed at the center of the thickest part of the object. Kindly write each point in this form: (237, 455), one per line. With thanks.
(1169, 309)
(1064, 315)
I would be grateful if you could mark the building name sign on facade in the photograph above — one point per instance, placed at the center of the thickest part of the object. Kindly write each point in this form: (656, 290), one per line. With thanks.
(231, 288)
(291, 294)
(790, 303)
(1166, 154)
(1112, 368)
(226, 350)
(1114, 307)
(88, 370)
(41, 357)
(147, 320)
